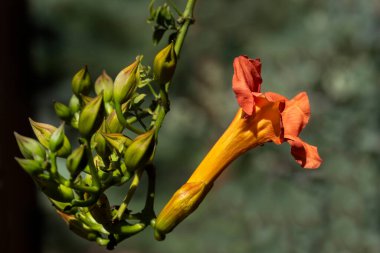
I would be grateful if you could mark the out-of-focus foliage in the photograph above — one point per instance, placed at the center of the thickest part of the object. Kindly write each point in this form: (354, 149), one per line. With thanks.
(264, 203)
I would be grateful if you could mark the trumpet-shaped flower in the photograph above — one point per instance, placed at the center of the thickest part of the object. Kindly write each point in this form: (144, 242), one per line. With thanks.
(262, 118)
(295, 113)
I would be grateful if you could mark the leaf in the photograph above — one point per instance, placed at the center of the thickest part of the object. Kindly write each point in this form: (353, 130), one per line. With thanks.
(158, 34)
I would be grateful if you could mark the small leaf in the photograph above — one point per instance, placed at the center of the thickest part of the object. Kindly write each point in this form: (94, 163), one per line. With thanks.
(158, 34)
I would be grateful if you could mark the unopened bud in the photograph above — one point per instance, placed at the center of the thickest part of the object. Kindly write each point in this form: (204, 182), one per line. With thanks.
(164, 64)
(89, 220)
(141, 151)
(81, 83)
(29, 147)
(57, 138)
(98, 142)
(126, 82)
(62, 111)
(78, 227)
(77, 161)
(113, 124)
(89, 119)
(86, 99)
(54, 190)
(43, 133)
(75, 120)
(104, 83)
(117, 141)
(74, 104)
(32, 167)
(183, 202)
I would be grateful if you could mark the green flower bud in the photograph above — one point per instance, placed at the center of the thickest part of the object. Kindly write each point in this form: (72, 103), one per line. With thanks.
(65, 150)
(127, 229)
(104, 83)
(77, 161)
(32, 167)
(89, 220)
(75, 120)
(54, 190)
(43, 133)
(89, 119)
(98, 142)
(57, 138)
(86, 99)
(113, 124)
(30, 148)
(62, 111)
(81, 83)
(126, 82)
(78, 227)
(117, 141)
(141, 151)
(164, 64)
(74, 104)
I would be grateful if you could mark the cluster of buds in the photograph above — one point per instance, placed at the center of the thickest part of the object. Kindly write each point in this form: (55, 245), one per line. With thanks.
(116, 141)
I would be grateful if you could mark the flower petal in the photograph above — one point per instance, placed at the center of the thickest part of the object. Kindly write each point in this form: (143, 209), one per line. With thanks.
(296, 114)
(246, 79)
(305, 154)
(272, 96)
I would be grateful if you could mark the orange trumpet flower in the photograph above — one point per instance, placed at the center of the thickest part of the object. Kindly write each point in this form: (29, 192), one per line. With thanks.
(263, 117)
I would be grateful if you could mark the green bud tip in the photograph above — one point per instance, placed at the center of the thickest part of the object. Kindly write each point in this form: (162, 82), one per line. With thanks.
(104, 83)
(90, 116)
(62, 110)
(81, 83)
(29, 147)
(164, 64)
(43, 133)
(57, 138)
(126, 82)
(141, 151)
(76, 161)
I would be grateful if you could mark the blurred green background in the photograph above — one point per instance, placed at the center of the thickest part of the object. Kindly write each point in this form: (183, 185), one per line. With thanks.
(264, 202)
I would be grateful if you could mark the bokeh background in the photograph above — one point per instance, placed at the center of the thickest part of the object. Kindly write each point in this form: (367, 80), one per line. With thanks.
(264, 202)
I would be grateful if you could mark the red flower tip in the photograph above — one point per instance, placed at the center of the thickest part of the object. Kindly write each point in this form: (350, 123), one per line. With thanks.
(295, 117)
(246, 80)
(305, 154)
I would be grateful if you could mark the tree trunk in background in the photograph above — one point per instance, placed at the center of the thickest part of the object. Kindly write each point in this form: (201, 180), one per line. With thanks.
(19, 229)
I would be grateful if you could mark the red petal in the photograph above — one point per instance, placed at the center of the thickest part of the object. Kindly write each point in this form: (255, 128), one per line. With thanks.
(305, 154)
(296, 114)
(246, 79)
(275, 97)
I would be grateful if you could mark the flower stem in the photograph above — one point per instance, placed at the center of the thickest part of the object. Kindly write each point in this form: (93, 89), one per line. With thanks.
(188, 17)
(123, 121)
(124, 205)
(188, 20)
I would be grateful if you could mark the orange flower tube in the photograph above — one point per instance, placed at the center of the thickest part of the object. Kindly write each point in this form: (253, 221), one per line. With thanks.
(263, 117)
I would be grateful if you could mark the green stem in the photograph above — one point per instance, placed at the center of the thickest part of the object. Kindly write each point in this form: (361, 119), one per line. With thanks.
(188, 20)
(148, 211)
(93, 170)
(123, 121)
(124, 205)
(188, 17)
(61, 180)
(154, 93)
